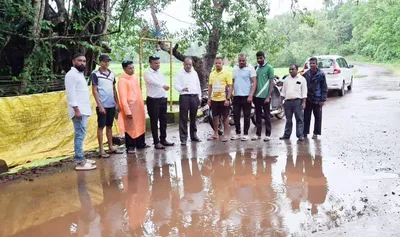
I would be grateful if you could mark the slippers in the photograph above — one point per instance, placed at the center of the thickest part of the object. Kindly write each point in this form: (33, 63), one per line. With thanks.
(104, 155)
(212, 138)
(115, 152)
(224, 139)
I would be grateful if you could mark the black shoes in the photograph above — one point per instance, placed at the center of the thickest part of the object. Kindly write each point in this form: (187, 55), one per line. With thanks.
(159, 146)
(166, 143)
(195, 139)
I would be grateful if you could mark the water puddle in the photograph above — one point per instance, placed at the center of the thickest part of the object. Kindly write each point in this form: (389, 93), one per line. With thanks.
(243, 193)
(376, 98)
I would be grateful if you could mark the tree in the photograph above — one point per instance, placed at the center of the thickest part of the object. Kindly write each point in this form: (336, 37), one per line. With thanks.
(39, 37)
(223, 26)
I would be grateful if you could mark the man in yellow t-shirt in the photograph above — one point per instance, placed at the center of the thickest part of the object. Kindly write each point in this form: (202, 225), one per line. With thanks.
(219, 97)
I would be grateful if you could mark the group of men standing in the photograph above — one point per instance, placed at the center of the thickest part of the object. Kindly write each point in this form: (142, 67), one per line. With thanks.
(246, 85)
(302, 96)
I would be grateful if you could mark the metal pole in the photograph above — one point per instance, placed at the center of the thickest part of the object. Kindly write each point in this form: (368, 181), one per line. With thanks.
(156, 40)
(140, 62)
(170, 76)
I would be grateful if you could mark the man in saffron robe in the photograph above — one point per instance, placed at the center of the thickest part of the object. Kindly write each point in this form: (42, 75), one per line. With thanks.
(132, 109)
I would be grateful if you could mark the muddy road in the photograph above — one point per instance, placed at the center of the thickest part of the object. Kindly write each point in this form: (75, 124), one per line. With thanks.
(346, 183)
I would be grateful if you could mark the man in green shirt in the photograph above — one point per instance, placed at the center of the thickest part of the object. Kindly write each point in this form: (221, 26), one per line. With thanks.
(262, 97)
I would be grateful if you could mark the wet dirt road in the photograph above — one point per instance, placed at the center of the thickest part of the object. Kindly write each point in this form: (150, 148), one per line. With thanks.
(344, 184)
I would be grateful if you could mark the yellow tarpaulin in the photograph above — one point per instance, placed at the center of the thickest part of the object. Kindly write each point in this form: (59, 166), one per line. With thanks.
(36, 127)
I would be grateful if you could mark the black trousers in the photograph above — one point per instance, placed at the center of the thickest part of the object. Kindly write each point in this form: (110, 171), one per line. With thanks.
(261, 109)
(316, 109)
(188, 104)
(240, 104)
(157, 110)
(136, 143)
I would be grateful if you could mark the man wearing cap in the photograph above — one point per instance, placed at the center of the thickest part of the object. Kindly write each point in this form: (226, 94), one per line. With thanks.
(105, 94)
(157, 102)
(79, 108)
(188, 85)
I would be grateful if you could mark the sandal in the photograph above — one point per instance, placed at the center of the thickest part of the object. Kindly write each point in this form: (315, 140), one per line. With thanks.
(104, 155)
(213, 137)
(224, 139)
(115, 151)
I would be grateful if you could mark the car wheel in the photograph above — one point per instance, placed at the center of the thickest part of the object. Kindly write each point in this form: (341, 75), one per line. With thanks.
(350, 87)
(341, 91)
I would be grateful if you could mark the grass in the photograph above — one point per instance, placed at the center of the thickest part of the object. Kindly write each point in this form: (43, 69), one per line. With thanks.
(176, 67)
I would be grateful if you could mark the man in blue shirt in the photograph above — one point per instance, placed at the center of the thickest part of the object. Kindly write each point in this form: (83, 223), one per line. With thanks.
(244, 87)
(316, 97)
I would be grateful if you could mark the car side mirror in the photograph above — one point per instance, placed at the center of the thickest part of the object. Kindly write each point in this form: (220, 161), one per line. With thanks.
(351, 66)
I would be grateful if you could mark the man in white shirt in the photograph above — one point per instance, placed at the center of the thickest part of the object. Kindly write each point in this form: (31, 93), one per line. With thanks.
(294, 95)
(157, 102)
(188, 85)
(79, 108)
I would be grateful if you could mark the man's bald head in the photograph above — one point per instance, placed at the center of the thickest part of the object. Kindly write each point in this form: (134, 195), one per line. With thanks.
(242, 60)
(188, 64)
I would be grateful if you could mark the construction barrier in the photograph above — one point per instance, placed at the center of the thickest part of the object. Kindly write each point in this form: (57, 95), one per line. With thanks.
(36, 127)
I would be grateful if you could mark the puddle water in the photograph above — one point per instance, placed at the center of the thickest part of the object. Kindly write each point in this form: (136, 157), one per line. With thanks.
(241, 193)
(376, 98)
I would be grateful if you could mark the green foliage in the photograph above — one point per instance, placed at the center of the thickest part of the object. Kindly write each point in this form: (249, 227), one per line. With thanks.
(240, 23)
(367, 28)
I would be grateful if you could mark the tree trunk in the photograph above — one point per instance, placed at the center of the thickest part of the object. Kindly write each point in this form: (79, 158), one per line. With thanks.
(197, 62)
(211, 50)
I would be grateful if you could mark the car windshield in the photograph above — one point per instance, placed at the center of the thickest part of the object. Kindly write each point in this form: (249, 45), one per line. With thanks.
(325, 63)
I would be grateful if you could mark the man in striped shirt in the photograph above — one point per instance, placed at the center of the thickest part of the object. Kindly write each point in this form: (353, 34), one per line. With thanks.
(105, 94)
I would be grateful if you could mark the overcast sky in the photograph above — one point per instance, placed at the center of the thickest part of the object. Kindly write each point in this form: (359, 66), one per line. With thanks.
(180, 9)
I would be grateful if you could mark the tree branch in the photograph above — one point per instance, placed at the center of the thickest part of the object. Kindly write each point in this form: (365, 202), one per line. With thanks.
(80, 36)
(15, 34)
(106, 16)
(178, 55)
(200, 17)
(91, 20)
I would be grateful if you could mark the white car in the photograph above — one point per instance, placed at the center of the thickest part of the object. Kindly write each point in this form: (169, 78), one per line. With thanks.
(339, 74)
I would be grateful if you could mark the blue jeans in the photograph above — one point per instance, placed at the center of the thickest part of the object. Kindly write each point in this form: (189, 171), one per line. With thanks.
(294, 107)
(80, 134)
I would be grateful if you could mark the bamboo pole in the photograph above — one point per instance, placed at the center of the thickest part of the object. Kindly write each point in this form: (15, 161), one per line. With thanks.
(140, 62)
(170, 76)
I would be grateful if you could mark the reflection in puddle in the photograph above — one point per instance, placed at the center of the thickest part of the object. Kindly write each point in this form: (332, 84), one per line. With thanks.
(243, 194)
(376, 98)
